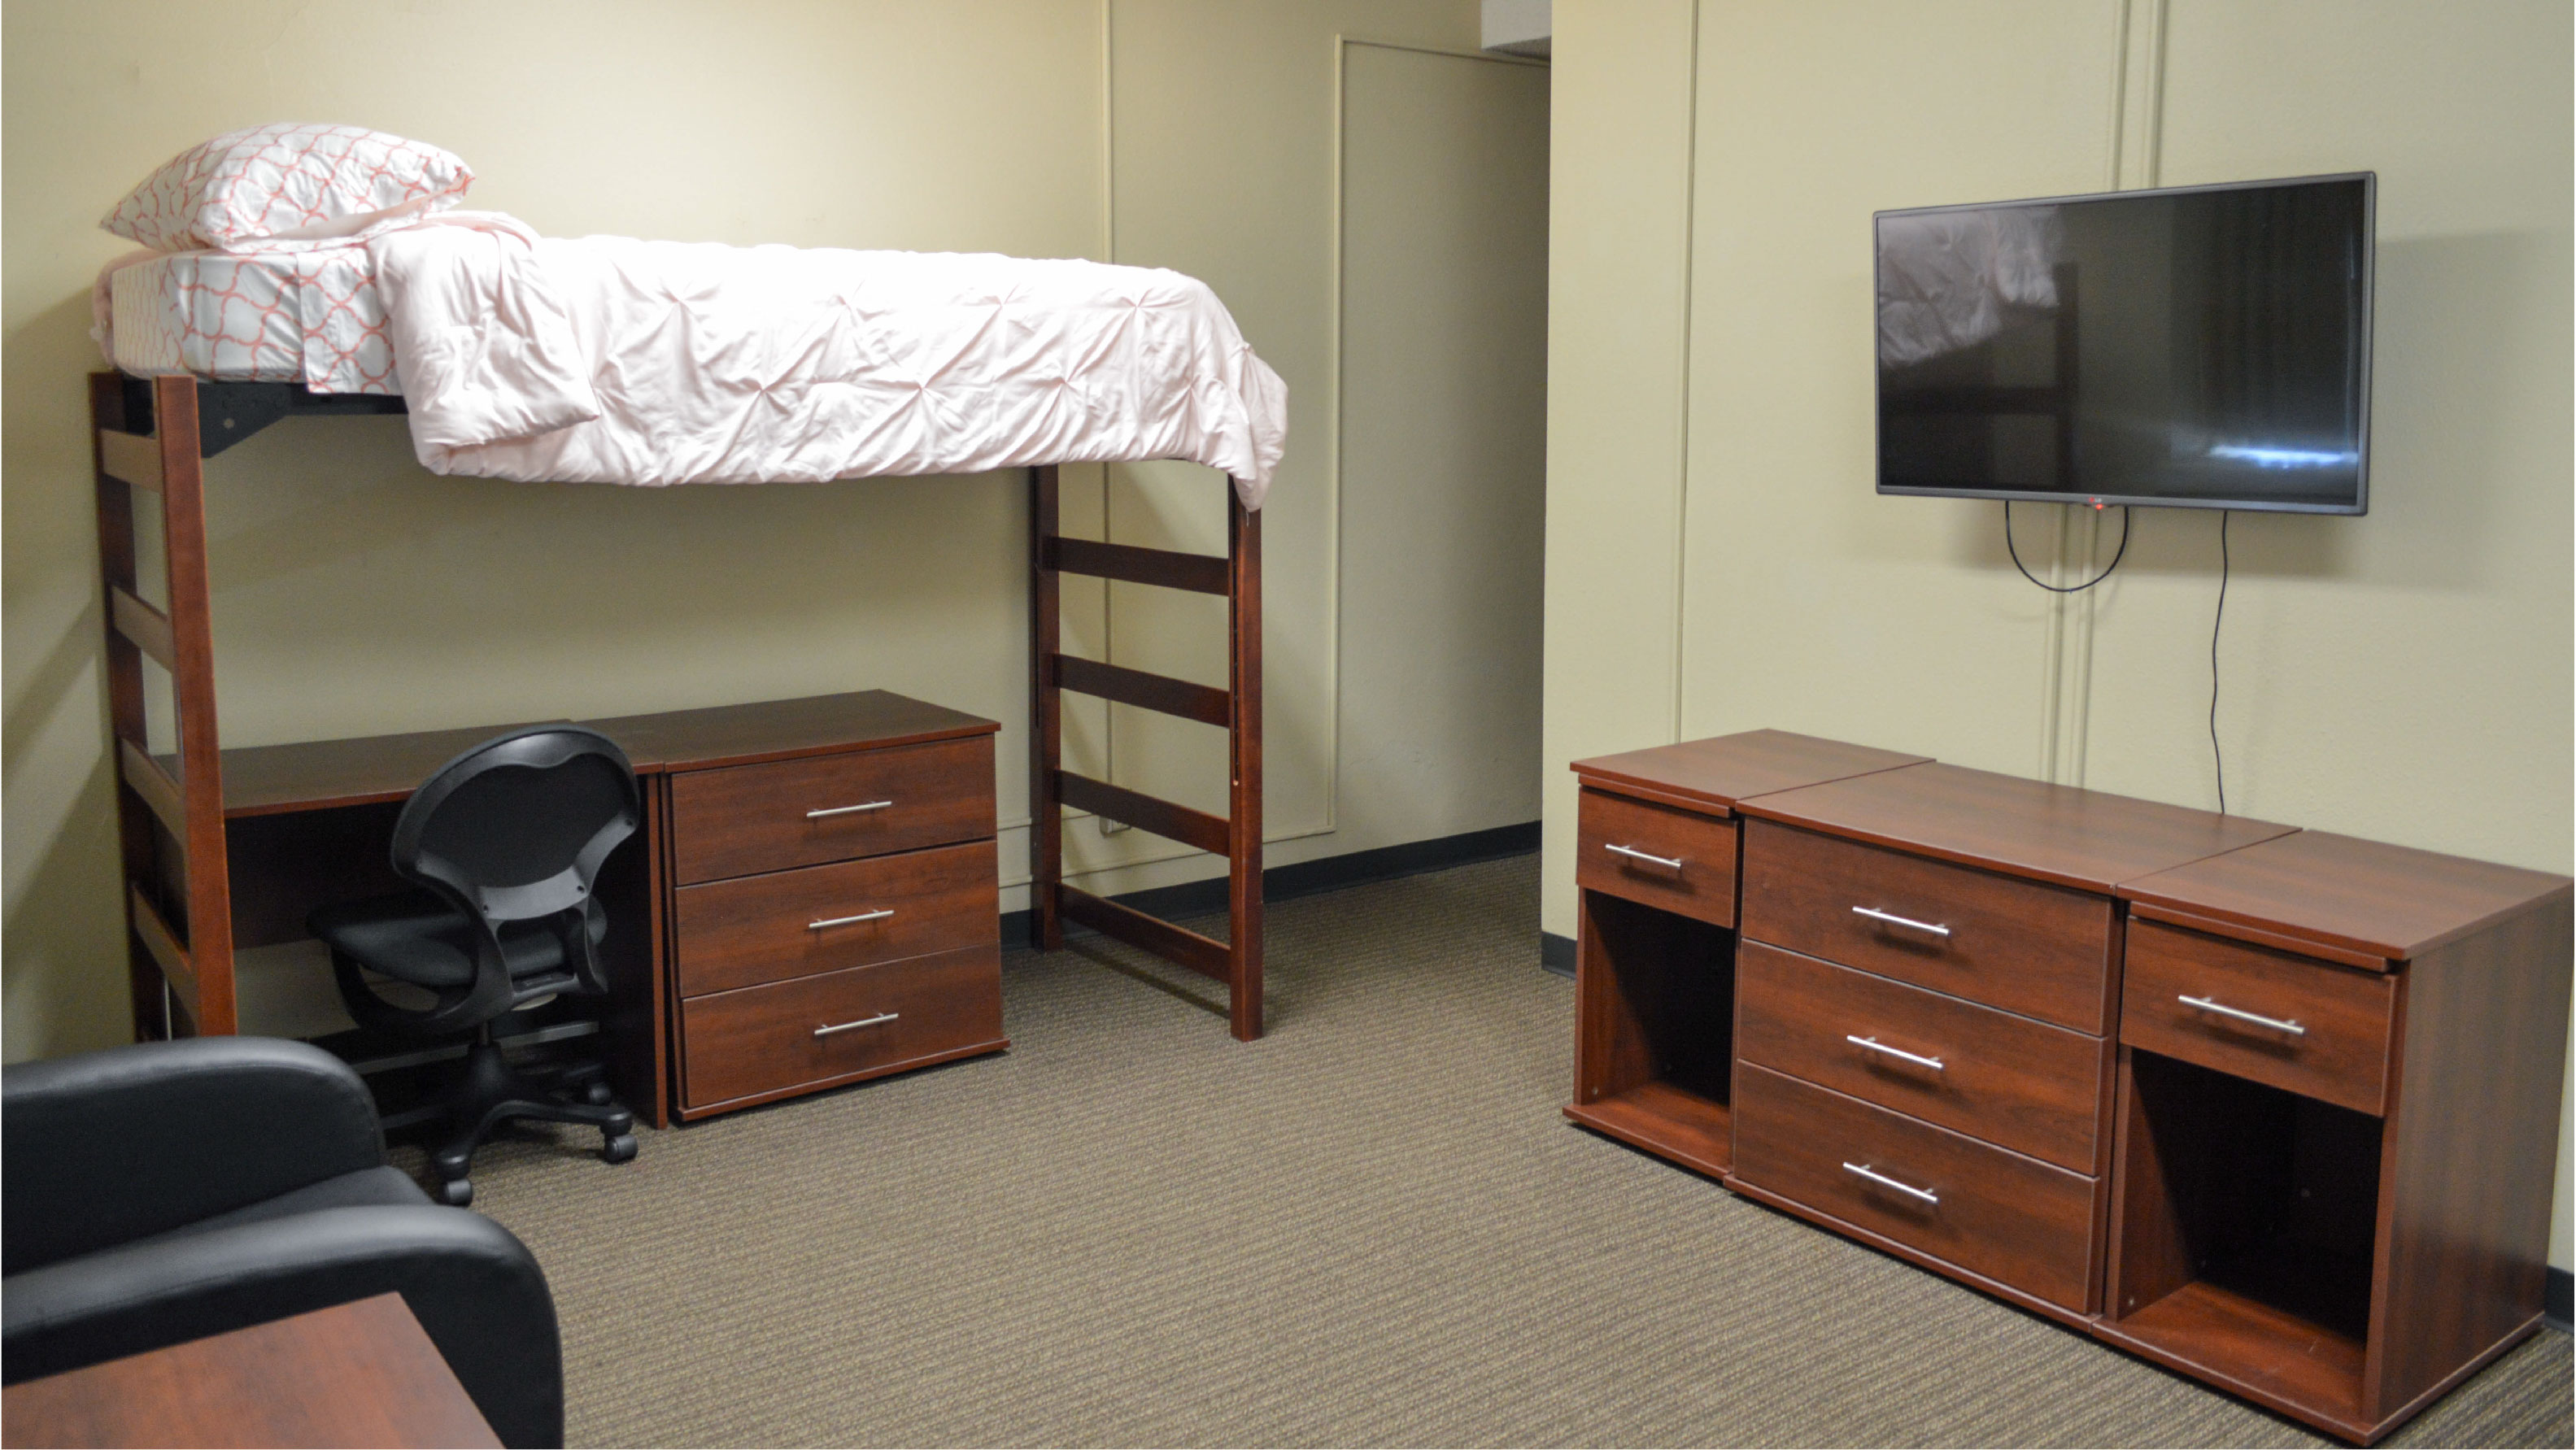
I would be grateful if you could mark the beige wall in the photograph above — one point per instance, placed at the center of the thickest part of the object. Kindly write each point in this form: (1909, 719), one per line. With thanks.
(357, 594)
(1618, 309)
(2404, 676)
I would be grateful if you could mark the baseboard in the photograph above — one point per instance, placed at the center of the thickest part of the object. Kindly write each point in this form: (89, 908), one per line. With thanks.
(2553, 1300)
(1306, 878)
(1556, 953)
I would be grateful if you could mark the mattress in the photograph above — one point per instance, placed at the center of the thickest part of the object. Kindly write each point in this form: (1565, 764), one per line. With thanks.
(612, 360)
(311, 317)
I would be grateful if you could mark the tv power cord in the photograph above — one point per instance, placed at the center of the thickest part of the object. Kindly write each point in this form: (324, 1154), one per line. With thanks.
(2116, 555)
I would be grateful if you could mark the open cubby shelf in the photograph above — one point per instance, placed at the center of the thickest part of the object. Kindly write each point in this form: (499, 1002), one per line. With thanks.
(2244, 1234)
(1662, 994)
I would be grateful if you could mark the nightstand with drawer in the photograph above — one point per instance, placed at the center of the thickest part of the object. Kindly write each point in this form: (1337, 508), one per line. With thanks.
(1657, 841)
(2339, 1064)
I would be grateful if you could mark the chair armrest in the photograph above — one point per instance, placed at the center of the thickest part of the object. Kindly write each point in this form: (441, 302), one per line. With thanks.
(112, 1146)
(473, 1286)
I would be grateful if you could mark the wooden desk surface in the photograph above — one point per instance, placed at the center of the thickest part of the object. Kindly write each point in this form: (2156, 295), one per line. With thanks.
(2391, 902)
(2086, 839)
(1719, 772)
(362, 1373)
(319, 774)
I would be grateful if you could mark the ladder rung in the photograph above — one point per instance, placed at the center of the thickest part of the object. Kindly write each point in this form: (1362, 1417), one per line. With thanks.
(1145, 813)
(1167, 568)
(1144, 690)
(1150, 933)
(158, 940)
(127, 456)
(148, 627)
(148, 780)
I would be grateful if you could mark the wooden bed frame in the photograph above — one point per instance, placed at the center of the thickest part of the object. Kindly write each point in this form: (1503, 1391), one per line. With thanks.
(154, 434)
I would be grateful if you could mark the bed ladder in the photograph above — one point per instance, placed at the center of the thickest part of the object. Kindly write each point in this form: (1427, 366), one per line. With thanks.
(145, 438)
(1236, 961)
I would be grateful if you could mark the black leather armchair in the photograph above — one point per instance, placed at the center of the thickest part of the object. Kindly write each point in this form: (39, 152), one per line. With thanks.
(166, 1191)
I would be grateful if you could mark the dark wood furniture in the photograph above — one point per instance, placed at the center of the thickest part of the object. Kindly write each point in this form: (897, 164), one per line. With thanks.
(2273, 1108)
(152, 437)
(2335, 1146)
(1986, 901)
(362, 1373)
(1657, 840)
(813, 899)
(1236, 709)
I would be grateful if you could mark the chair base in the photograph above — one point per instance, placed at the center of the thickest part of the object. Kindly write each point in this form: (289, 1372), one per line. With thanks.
(487, 1092)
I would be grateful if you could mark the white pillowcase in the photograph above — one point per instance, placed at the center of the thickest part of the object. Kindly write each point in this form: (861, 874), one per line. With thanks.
(282, 184)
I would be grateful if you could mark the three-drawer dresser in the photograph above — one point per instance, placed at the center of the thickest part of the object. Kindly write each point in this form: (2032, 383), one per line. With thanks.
(2270, 1107)
(836, 914)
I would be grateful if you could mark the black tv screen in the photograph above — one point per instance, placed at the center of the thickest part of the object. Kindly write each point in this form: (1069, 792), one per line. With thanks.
(2203, 346)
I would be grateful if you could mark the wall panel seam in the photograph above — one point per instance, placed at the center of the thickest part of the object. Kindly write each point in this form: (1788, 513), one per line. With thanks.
(2136, 122)
(1682, 461)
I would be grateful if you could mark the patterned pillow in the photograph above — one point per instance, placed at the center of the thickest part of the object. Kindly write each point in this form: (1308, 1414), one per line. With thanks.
(287, 183)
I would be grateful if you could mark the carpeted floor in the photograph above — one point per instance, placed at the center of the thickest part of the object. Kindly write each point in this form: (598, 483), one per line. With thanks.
(1371, 1227)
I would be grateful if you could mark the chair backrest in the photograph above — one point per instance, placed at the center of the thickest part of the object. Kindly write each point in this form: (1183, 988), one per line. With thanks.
(516, 828)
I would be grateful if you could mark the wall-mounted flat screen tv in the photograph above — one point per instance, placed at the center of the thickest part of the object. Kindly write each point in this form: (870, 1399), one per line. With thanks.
(2202, 346)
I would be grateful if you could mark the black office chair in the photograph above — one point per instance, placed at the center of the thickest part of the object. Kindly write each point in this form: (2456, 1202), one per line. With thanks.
(505, 843)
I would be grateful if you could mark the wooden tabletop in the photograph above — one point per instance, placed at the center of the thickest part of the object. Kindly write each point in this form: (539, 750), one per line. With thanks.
(2086, 839)
(783, 729)
(1725, 769)
(320, 774)
(2339, 892)
(362, 1373)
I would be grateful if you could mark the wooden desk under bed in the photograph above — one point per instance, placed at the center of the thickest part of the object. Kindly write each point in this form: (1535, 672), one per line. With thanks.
(765, 939)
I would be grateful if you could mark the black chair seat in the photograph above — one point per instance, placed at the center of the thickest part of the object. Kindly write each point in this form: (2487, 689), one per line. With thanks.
(414, 937)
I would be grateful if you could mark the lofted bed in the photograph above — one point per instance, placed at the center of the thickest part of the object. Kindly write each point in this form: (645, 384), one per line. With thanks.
(206, 358)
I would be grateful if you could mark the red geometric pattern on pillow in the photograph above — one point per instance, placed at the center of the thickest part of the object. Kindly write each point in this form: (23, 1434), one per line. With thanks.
(247, 185)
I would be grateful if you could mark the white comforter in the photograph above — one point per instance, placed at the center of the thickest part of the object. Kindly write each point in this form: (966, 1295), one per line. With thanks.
(604, 359)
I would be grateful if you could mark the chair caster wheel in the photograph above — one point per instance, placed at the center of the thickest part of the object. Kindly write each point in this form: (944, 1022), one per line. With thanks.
(620, 1148)
(456, 1193)
(596, 1093)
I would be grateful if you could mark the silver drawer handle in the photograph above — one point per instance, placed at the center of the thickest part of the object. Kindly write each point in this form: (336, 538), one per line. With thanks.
(846, 810)
(1892, 919)
(1883, 1181)
(1633, 854)
(862, 1022)
(847, 920)
(1874, 1045)
(2241, 1015)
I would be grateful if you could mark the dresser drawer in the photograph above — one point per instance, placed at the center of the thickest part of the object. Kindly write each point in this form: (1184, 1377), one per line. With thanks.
(839, 1026)
(2041, 951)
(1680, 862)
(2324, 1031)
(2011, 1081)
(1997, 1214)
(747, 818)
(782, 924)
